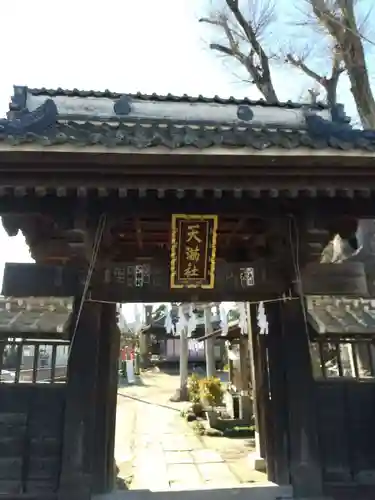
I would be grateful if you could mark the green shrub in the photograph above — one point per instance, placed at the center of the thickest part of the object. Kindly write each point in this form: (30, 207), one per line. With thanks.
(211, 391)
(194, 388)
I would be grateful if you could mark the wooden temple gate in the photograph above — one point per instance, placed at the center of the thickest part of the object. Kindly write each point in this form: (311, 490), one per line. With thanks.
(133, 198)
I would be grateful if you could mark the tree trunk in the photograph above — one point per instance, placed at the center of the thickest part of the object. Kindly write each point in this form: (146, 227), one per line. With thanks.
(331, 89)
(355, 63)
(143, 349)
(209, 344)
(181, 393)
(252, 340)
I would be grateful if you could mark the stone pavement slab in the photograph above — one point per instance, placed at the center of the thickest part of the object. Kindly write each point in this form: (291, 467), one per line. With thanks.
(175, 442)
(178, 457)
(240, 468)
(151, 473)
(267, 491)
(153, 454)
(194, 442)
(124, 446)
(166, 455)
(184, 473)
(206, 456)
(216, 472)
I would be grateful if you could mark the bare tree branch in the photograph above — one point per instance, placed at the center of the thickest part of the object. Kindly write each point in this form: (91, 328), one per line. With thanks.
(329, 84)
(244, 40)
(243, 43)
(334, 15)
(221, 48)
(298, 63)
(339, 19)
(262, 72)
(208, 20)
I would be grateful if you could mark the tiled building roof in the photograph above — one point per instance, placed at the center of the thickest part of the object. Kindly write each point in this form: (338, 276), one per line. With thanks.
(17, 104)
(78, 118)
(34, 315)
(341, 315)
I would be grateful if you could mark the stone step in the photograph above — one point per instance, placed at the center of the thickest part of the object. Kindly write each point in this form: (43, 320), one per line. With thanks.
(266, 491)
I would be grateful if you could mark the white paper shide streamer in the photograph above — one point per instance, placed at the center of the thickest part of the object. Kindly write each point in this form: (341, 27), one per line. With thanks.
(186, 319)
(243, 318)
(224, 309)
(262, 319)
(137, 318)
(192, 321)
(168, 323)
(181, 323)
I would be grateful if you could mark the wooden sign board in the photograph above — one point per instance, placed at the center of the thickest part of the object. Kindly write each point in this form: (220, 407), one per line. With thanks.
(144, 281)
(193, 251)
(39, 280)
(150, 282)
(348, 278)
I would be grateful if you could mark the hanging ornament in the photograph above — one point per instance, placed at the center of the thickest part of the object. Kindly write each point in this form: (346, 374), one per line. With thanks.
(168, 324)
(223, 319)
(192, 321)
(243, 318)
(262, 319)
(182, 320)
(137, 318)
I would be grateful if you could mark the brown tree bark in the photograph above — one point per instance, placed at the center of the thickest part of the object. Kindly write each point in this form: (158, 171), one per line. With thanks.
(341, 24)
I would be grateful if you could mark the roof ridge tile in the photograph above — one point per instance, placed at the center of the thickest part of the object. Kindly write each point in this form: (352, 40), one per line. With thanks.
(170, 97)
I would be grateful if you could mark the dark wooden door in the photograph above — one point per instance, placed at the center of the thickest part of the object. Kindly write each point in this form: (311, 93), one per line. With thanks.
(272, 400)
(32, 404)
(291, 440)
(345, 394)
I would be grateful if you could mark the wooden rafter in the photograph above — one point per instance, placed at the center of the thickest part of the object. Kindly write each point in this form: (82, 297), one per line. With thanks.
(138, 230)
(234, 231)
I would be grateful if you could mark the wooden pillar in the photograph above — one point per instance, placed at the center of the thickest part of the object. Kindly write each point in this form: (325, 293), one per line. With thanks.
(275, 401)
(184, 364)
(305, 468)
(246, 406)
(106, 401)
(258, 383)
(79, 423)
(209, 343)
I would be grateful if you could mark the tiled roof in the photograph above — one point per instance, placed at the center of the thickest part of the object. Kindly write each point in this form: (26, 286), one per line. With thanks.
(34, 315)
(341, 315)
(78, 118)
(161, 98)
(143, 136)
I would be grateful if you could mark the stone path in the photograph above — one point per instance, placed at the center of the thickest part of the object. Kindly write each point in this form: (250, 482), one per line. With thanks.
(157, 450)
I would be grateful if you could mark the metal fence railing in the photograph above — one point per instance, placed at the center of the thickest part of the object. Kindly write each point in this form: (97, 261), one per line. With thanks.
(343, 358)
(33, 361)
